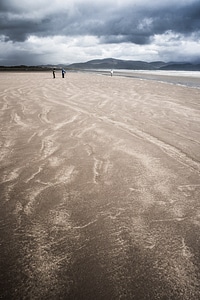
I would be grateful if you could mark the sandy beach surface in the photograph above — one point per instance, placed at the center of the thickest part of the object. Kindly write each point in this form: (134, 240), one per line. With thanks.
(99, 188)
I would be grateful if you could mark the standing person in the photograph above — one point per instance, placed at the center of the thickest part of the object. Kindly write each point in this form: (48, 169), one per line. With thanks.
(54, 73)
(63, 73)
(111, 73)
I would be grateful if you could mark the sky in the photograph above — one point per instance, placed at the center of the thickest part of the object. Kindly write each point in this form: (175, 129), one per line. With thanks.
(35, 32)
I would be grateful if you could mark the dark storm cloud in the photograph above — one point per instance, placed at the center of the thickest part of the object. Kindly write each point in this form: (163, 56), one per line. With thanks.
(139, 25)
(16, 30)
(135, 23)
(183, 20)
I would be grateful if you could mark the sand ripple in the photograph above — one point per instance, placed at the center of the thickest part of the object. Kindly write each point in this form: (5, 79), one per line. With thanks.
(100, 188)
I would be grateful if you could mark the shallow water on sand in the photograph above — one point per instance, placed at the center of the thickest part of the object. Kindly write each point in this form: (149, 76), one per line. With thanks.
(100, 188)
(184, 78)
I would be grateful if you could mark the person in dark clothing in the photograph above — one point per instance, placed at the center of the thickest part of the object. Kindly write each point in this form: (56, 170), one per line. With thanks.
(54, 73)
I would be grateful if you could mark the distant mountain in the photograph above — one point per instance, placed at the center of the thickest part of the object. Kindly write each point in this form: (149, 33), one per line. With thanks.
(111, 63)
(157, 64)
(181, 67)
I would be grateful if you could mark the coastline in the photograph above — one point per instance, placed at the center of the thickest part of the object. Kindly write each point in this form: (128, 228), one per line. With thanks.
(184, 78)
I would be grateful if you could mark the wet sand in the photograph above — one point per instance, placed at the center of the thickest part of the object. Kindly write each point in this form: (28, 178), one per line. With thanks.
(100, 188)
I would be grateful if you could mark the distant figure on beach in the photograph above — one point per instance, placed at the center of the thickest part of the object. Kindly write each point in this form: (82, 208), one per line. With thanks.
(63, 73)
(54, 73)
(111, 73)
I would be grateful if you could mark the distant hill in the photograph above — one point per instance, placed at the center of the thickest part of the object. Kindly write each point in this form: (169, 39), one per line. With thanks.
(111, 63)
(181, 67)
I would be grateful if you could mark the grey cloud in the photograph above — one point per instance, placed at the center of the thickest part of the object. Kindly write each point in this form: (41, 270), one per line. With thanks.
(182, 20)
(16, 30)
(131, 24)
(112, 24)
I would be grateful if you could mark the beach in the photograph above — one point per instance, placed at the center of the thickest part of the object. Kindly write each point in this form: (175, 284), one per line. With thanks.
(100, 187)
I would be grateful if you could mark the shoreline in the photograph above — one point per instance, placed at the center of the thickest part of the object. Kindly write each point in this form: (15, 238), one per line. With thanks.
(180, 78)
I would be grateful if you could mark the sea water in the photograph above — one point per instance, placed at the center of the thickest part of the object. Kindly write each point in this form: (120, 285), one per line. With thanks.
(185, 78)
